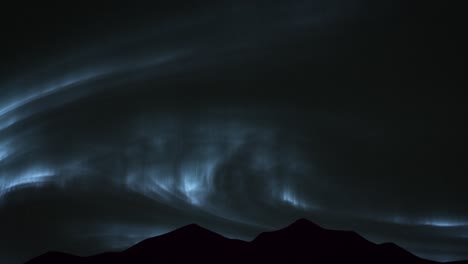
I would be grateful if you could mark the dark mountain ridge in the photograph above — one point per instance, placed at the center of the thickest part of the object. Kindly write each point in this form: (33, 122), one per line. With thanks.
(300, 242)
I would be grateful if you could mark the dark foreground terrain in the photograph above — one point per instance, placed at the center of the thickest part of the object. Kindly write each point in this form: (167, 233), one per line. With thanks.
(300, 242)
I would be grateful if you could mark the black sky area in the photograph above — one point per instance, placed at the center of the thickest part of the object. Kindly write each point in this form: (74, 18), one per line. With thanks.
(127, 120)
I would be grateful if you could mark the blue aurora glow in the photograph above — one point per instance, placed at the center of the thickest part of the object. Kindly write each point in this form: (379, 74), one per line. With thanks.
(223, 165)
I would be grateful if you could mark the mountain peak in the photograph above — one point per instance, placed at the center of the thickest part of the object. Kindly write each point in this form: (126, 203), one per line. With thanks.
(192, 227)
(304, 223)
(301, 228)
(301, 240)
(192, 230)
(191, 234)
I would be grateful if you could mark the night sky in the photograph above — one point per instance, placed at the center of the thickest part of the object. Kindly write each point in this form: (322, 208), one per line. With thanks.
(125, 121)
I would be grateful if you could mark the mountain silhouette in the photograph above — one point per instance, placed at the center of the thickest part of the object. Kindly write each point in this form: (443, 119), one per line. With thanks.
(301, 242)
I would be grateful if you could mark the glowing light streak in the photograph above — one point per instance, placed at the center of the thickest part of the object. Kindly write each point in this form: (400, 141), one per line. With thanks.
(53, 88)
(290, 197)
(444, 223)
(31, 177)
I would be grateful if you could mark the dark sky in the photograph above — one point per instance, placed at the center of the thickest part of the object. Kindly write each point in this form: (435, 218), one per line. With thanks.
(124, 121)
